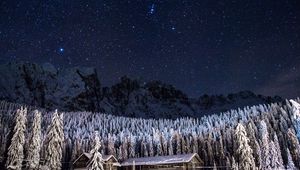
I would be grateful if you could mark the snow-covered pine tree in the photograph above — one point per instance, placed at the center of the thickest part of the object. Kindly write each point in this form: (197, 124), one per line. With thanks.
(164, 145)
(209, 150)
(151, 148)
(244, 151)
(54, 143)
(257, 155)
(144, 151)
(33, 153)
(265, 149)
(290, 163)
(170, 147)
(15, 153)
(234, 165)
(120, 153)
(125, 148)
(111, 145)
(183, 145)
(251, 131)
(294, 147)
(194, 144)
(296, 117)
(178, 144)
(96, 162)
(280, 164)
(220, 153)
(76, 149)
(215, 166)
(157, 142)
(228, 164)
(132, 145)
(275, 164)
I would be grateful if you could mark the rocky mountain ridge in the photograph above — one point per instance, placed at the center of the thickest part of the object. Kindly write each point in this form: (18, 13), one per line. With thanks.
(78, 89)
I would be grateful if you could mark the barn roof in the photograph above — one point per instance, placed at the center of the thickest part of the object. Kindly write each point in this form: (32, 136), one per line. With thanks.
(159, 160)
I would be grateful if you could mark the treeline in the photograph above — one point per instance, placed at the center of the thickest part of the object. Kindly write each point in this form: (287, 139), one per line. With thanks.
(257, 137)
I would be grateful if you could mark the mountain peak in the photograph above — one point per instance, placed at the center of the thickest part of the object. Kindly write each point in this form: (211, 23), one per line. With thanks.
(79, 88)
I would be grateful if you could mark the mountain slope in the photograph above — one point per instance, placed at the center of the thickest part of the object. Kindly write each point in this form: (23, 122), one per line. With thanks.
(79, 89)
(48, 87)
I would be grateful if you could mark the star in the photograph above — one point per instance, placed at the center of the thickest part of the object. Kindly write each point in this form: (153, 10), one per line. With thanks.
(61, 50)
(152, 9)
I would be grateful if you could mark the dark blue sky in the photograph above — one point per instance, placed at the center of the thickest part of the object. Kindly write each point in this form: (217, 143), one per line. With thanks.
(198, 46)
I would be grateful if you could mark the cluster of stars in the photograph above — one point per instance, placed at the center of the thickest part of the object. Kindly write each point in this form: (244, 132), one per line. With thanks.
(152, 9)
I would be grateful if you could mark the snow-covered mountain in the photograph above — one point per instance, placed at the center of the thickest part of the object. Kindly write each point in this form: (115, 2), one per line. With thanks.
(79, 89)
(49, 87)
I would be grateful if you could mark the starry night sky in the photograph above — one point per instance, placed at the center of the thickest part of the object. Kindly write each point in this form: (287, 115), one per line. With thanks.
(199, 46)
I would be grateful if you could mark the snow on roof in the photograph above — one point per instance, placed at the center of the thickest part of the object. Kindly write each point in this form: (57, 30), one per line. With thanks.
(104, 157)
(88, 155)
(158, 160)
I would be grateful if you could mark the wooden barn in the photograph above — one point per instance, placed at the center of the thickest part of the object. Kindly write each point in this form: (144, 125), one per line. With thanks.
(110, 162)
(174, 162)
